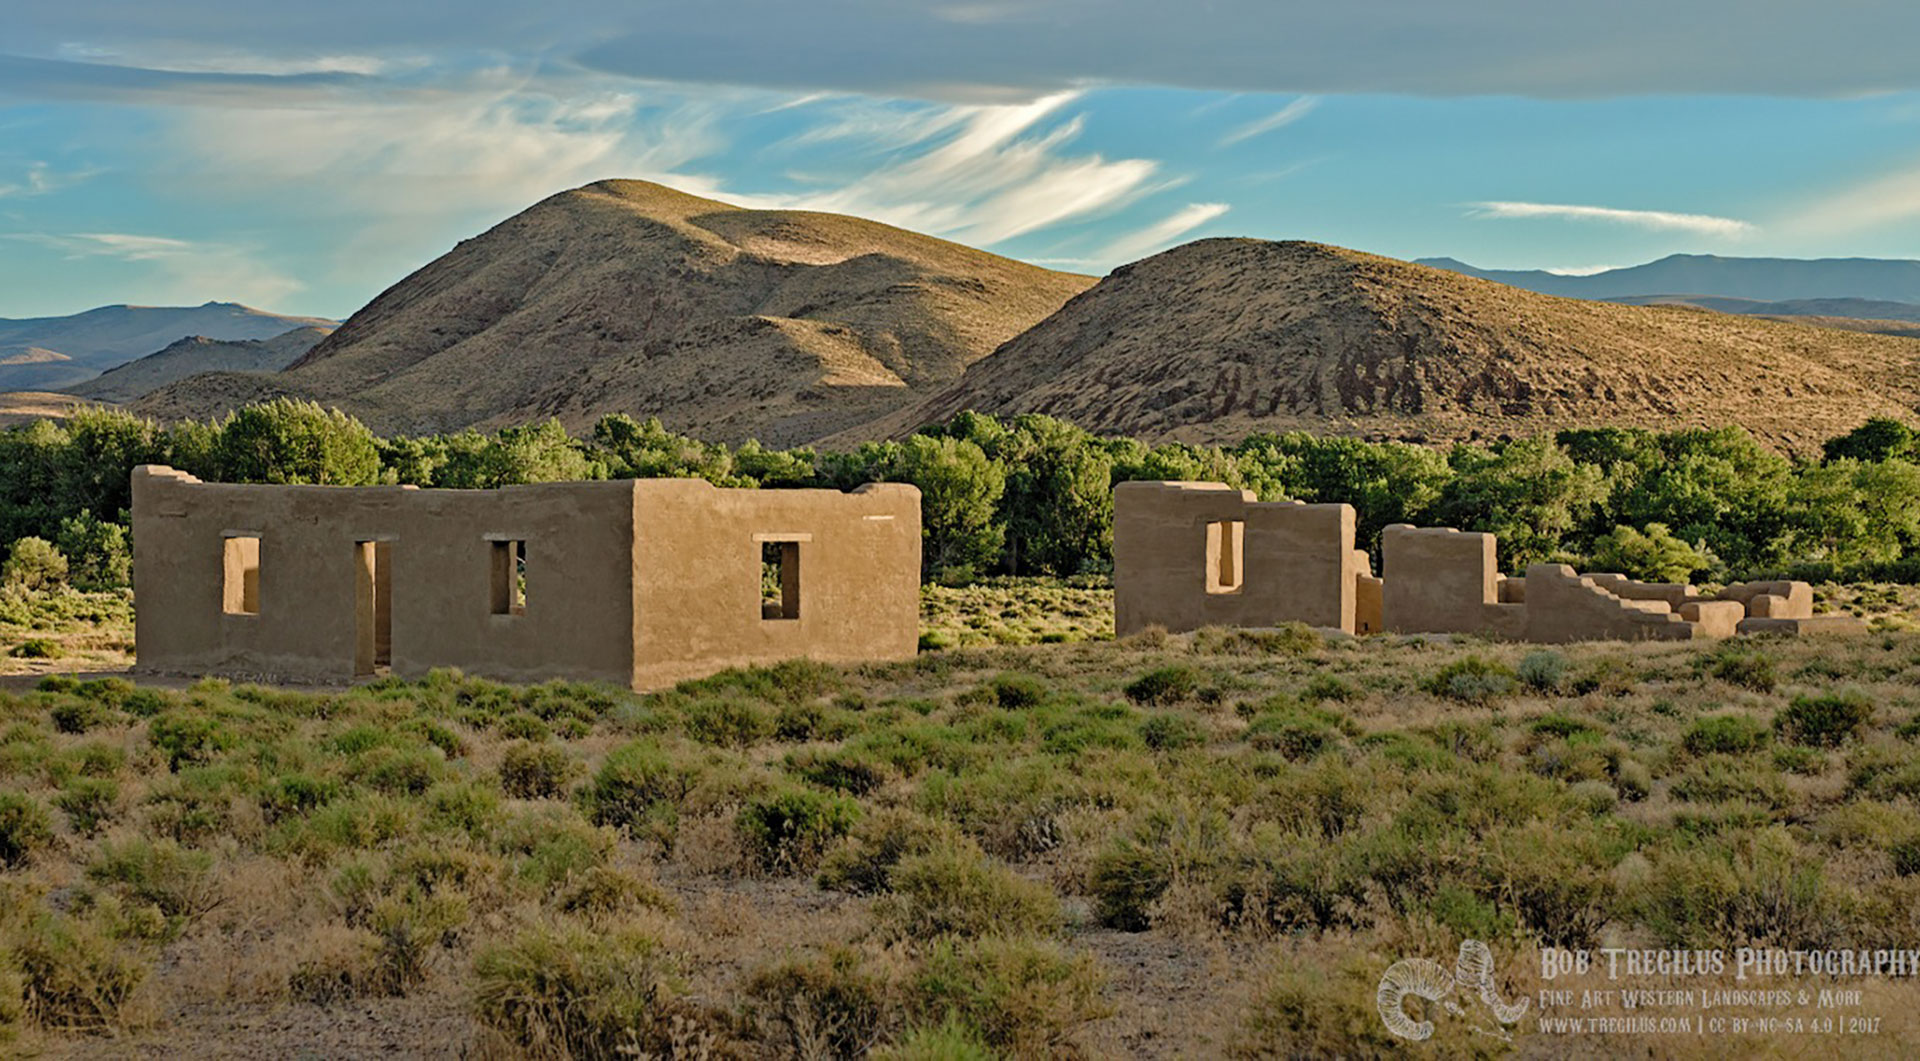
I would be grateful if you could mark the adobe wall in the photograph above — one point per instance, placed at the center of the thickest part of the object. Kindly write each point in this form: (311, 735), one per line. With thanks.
(1564, 606)
(696, 576)
(1444, 581)
(1285, 562)
(577, 622)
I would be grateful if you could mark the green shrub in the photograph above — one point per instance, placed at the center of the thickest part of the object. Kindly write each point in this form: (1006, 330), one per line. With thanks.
(174, 879)
(1543, 670)
(1724, 734)
(960, 893)
(1287, 639)
(1750, 669)
(1171, 732)
(1472, 680)
(88, 803)
(821, 1005)
(38, 648)
(863, 862)
(99, 554)
(638, 788)
(79, 716)
(1016, 692)
(1027, 997)
(1331, 687)
(1166, 686)
(295, 794)
(523, 726)
(852, 771)
(604, 890)
(34, 566)
(536, 771)
(185, 738)
(559, 992)
(24, 828)
(1826, 721)
(1563, 726)
(1298, 732)
(727, 722)
(788, 830)
(554, 847)
(79, 979)
(1136, 869)
(950, 1040)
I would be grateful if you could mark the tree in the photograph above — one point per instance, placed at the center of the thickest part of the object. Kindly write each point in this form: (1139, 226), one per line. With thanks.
(34, 565)
(1876, 440)
(288, 441)
(1529, 492)
(960, 491)
(98, 554)
(1653, 555)
(1058, 504)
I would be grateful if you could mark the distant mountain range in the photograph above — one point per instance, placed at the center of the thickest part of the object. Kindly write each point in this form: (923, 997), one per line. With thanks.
(1863, 288)
(49, 353)
(196, 354)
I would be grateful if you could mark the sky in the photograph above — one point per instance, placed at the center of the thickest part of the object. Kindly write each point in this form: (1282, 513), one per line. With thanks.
(302, 158)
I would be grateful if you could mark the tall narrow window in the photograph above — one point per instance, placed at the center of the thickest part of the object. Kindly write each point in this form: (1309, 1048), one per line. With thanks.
(509, 577)
(373, 606)
(1225, 560)
(240, 584)
(779, 580)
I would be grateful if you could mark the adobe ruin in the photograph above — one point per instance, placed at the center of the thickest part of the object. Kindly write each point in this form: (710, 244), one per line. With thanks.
(1194, 554)
(639, 583)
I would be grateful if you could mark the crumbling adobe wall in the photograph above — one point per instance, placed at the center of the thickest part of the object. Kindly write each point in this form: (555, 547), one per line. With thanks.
(1443, 581)
(1194, 554)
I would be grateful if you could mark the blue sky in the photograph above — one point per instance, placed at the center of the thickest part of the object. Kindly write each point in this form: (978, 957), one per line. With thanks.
(302, 161)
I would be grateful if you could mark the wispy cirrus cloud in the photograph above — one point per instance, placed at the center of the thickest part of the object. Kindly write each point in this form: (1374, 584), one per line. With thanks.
(1659, 220)
(40, 179)
(1884, 200)
(1163, 233)
(1279, 119)
(177, 270)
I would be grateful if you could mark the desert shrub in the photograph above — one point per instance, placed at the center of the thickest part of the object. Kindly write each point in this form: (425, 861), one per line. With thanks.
(77, 978)
(1723, 778)
(536, 771)
(1298, 732)
(1027, 997)
(463, 806)
(1472, 680)
(88, 803)
(788, 830)
(335, 964)
(1014, 692)
(1632, 780)
(960, 893)
(38, 648)
(1905, 854)
(604, 890)
(1827, 720)
(811, 721)
(1724, 734)
(564, 991)
(1556, 879)
(950, 1040)
(638, 788)
(726, 721)
(820, 1005)
(1165, 687)
(1748, 669)
(1758, 886)
(1327, 687)
(34, 566)
(174, 879)
(1287, 639)
(1564, 726)
(24, 828)
(1799, 759)
(1543, 670)
(863, 862)
(401, 768)
(1169, 845)
(553, 846)
(850, 770)
(1312, 1010)
(295, 794)
(186, 738)
(79, 716)
(1170, 732)
(523, 727)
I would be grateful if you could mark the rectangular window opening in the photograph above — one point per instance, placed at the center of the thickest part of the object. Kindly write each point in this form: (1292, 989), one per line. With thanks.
(1226, 570)
(509, 577)
(779, 580)
(240, 586)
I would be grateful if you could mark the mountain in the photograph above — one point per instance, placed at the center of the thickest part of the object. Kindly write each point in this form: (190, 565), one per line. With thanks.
(196, 354)
(18, 408)
(1220, 338)
(626, 296)
(47, 353)
(1758, 279)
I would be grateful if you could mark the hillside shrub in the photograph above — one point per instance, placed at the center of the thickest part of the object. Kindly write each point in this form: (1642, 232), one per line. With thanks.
(1827, 720)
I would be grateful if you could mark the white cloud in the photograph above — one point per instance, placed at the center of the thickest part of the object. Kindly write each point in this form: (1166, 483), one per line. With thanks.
(40, 179)
(1700, 224)
(1582, 270)
(183, 272)
(1882, 201)
(1164, 233)
(1281, 118)
(994, 176)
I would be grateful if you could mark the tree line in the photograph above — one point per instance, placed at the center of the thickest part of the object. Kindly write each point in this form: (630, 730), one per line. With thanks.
(1032, 495)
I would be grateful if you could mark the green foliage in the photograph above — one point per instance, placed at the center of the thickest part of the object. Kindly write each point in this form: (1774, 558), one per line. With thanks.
(1543, 670)
(536, 771)
(1749, 669)
(1165, 687)
(1472, 680)
(1827, 720)
(33, 565)
(1654, 555)
(1027, 997)
(1724, 734)
(788, 830)
(24, 828)
(960, 893)
(99, 554)
(288, 441)
(960, 492)
(558, 992)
